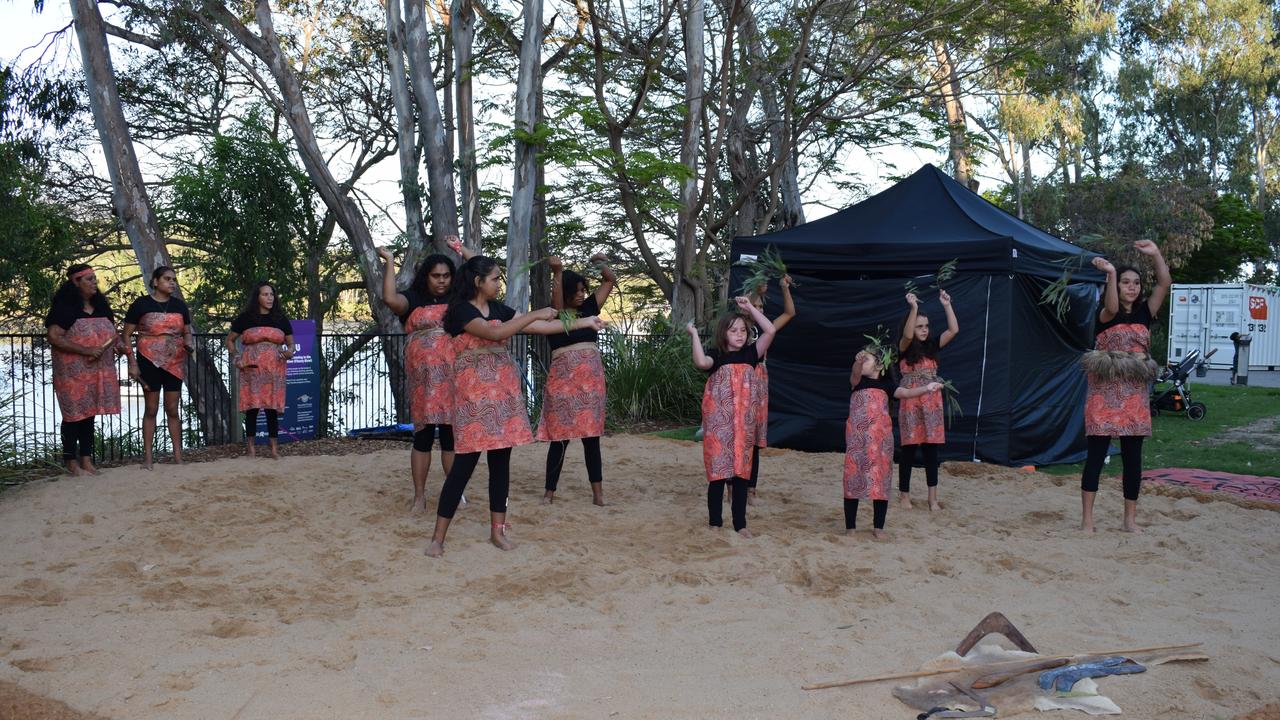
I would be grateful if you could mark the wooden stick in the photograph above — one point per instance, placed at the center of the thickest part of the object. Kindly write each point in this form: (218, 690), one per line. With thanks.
(988, 666)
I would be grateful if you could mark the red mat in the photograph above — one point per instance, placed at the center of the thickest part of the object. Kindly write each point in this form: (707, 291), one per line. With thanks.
(1247, 487)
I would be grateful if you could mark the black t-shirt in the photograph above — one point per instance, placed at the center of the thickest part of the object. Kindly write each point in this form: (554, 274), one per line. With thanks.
(1139, 315)
(244, 321)
(417, 300)
(880, 383)
(67, 315)
(460, 314)
(147, 304)
(589, 308)
(747, 356)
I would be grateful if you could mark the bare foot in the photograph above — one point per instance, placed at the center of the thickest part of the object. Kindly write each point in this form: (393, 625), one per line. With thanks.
(751, 497)
(598, 500)
(435, 548)
(1087, 527)
(549, 497)
(935, 506)
(904, 500)
(417, 505)
(73, 468)
(1131, 528)
(745, 533)
(499, 539)
(878, 534)
(146, 464)
(275, 454)
(87, 465)
(849, 532)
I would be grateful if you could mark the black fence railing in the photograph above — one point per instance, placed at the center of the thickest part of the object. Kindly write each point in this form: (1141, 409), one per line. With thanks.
(362, 386)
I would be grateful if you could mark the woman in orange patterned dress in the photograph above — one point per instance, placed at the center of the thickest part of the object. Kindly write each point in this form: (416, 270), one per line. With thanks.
(82, 330)
(574, 396)
(163, 324)
(489, 412)
(920, 419)
(730, 403)
(428, 362)
(1120, 371)
(762, 379)
(868, 440)
(267, 338)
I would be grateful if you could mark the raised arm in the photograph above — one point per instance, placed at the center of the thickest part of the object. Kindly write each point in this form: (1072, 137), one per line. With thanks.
(1163, 278)
(904, 393)
(393, 299)
(482, 329)
(767, 330)
(788, 305)
(607, 279)
(700, 359)
(555, 327)
(908, 328)
(557, 282)
(455, 244)
(855, 374)
(953, 327)
(1110, 294)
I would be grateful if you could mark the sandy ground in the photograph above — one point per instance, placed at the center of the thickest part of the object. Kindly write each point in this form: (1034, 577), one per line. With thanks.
(298, 589)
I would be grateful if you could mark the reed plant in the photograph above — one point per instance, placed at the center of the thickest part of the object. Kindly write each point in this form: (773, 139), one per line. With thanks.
(651, 378)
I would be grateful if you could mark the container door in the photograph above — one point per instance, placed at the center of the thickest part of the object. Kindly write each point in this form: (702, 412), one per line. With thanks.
(1186, 320)
(1225, 314)
(1260, 321)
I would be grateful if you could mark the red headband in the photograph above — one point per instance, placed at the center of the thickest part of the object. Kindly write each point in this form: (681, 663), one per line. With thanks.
(81, 273)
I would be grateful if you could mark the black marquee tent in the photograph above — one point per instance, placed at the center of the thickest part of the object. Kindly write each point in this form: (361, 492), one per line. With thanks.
(1014, 363)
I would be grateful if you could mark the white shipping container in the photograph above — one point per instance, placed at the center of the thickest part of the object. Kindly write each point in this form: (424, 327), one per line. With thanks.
(1202, 317)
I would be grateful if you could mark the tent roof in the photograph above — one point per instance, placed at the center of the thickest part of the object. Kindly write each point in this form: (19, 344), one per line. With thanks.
(915, 226)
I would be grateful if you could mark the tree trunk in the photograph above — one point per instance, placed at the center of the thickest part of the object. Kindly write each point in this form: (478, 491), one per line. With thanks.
(444, 204)
(686, 296)
(950, 92)
(129, 200)
(525, 185)
(410, 189)
(463, 28)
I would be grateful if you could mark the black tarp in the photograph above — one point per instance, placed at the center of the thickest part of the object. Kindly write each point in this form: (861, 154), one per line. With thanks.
(1014, 362)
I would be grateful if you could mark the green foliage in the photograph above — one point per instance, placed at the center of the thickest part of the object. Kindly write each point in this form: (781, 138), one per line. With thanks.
(766, 266)
(651, 378)
(1237, 238)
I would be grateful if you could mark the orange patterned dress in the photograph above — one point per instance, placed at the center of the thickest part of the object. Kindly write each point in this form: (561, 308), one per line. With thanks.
(489, 411)
(729, 406)
(573, 400)
(262, 380)
(920, 419)
(762, 404)
(1119, 371)
(868, 437)
(160, 330)
(428, 362)
(85, 386)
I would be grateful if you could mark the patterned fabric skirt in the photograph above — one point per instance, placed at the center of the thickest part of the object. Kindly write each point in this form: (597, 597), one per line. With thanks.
(729, 422)
(574, 396)
(489, 409)
(868, 455)
(762, 405)
(920, 419)
(1117, 408)
(428, 366)
(85, 386)
(263, 378)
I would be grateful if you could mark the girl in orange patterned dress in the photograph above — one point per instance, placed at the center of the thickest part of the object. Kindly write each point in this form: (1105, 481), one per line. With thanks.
(762, 379)
(163, 324)
(428, 362)
(868, 439)
(729, 407)
(920, 419)
(267, 339)
(574, 396)
(489, 413)
(82, 330)
(1120, 372)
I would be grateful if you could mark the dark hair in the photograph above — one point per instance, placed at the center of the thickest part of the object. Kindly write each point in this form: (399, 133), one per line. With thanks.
(916, 350)
(250, 308)
(723, 323)
(155, 274)
(425, 267)
(464, 283)
(67, 296)
(569, 283)
(1142, 283)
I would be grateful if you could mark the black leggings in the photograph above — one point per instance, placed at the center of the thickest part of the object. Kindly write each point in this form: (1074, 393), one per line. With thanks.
(737, 502)
(908, 459)
(1130, 456)
(879, 510)
(463, 465)
(423, 439)
(78, 432)
(755, 467)
(555, 461)
(251, 423)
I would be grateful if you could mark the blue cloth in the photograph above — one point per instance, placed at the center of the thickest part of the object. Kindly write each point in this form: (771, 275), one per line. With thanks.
(1061, 679)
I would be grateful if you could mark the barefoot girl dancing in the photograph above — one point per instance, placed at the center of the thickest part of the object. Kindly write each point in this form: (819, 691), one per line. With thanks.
(920, 419)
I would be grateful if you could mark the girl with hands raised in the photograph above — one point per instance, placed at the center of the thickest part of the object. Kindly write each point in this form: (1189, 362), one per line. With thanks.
(920, 419)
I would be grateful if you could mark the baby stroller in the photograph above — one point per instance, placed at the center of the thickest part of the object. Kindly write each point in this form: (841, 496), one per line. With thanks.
(1177, 397)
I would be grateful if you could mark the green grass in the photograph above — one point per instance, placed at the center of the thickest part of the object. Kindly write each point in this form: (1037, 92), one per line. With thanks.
(684, 433)
(1179, 442)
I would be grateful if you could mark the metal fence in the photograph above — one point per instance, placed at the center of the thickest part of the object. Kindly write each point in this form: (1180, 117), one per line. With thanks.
(365, 391)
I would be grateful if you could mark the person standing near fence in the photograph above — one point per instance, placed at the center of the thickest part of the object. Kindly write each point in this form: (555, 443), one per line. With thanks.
(729, 407)
(920, 417)
(489, 413)
(762, 380)
(82, 330)
(1120, 371)
(163, 324)
(573, 399)
(267, 341)
(428, 362)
